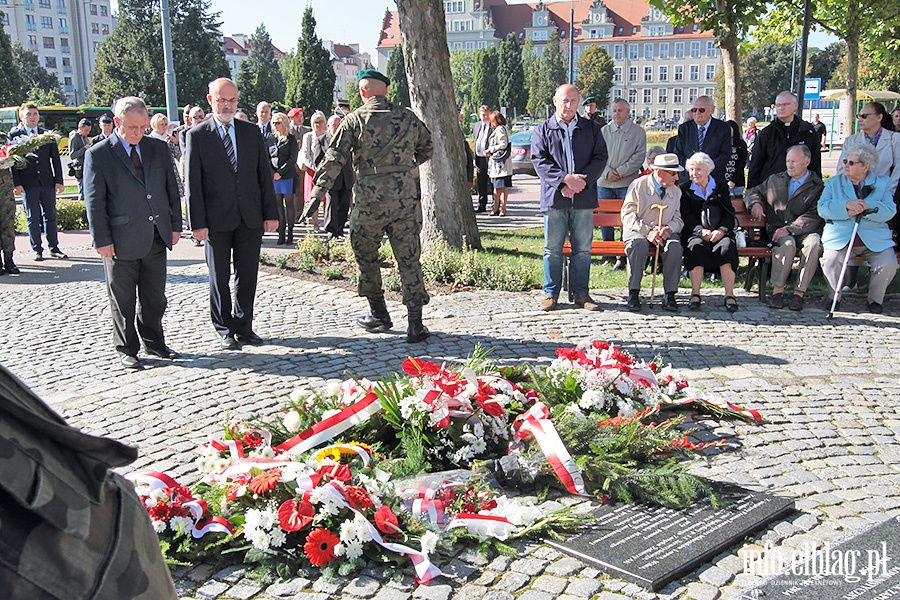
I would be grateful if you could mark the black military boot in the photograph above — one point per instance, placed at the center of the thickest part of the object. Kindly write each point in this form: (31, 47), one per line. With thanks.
(416, 332)
(8, 264)
(379, 319)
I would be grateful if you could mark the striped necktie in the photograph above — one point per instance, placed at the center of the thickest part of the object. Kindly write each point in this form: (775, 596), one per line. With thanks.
(701, 135)
(229, 146)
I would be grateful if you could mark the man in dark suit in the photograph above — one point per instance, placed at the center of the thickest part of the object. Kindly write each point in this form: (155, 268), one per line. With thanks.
(481, 133)
(79, 142)
(231, 202)
(134, 211)
(704, 134)
(106, 129)
(264, 122)
(38, 183)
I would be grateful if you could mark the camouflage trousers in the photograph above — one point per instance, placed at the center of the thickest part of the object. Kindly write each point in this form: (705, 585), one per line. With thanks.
(7, 213)
(401, 220)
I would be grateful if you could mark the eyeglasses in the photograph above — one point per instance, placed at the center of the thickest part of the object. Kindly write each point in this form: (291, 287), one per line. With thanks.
(850, 163)
(864, 115)
(700, 110)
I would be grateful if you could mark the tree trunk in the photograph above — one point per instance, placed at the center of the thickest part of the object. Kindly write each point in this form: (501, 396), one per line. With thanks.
(728, 43)
(852, 40)
(446, 200)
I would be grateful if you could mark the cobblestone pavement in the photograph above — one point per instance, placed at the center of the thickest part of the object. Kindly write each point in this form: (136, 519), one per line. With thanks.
(828, 390)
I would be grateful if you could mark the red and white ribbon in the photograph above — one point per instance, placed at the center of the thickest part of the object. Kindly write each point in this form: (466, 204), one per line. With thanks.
(212, 524)
(197, 506)
(328, 428)
(536, 422)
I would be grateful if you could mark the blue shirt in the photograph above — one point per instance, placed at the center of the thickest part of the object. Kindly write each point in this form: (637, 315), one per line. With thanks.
(710, 187)
(570, 153)
(221, 130)
(127, 146)
(795, 184)
(659, 188)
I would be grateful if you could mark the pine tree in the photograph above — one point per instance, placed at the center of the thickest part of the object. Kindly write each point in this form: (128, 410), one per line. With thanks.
(259, 78)
(311, 83)
(353, 97)
(511, 76)
(532, 68)
(10, 79)
(398, 92)
(485, 88)
(36, 83)
(595, 74)
(130, 61)
(552, 72)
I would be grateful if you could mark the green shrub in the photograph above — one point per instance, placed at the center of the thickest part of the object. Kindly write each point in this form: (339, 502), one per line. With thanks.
(21, 220)
(71, 215)
(392, 283)
(264, 258)
(333, 272)
(280, 260)
(340, 250)
(385, 253)
(306, 263)
(441, 262)
(314, 247)
(444, 264)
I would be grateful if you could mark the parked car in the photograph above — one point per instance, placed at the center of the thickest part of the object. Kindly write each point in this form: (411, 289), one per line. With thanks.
(653, 124)
(520, 127)
(521, 153)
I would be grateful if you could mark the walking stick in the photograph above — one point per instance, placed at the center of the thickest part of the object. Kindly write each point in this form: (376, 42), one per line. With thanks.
(840, 283)
(661, 208)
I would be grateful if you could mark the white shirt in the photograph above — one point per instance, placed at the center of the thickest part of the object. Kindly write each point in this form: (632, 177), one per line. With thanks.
(220, 127)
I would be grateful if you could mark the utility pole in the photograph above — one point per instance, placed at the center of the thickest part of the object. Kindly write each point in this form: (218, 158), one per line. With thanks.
(804, 42)
(171, 92)
(572, 42)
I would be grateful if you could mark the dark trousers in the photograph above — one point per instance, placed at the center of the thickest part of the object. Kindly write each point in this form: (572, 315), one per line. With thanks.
(240, 246)
(338, 209)
(137, 288)
(40, 208)
(484, 182)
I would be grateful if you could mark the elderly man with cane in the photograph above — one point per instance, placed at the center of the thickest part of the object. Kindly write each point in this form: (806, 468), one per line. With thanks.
(651, 214)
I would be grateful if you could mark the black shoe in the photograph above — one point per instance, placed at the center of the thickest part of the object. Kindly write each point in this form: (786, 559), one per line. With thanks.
(876, 308)
(164, 352)
(249, 338)
(280, 242)
(130, 362)
(196, 242)
(373, 323)
(695, 305)
(11, 268)
(670, 304)
(57, 253)
(634, 300)
(38, 256)
(731, 304)
(481, 209)
(416, 332)
(229, 342)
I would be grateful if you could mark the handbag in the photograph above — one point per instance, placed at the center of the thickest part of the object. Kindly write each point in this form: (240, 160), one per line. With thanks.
(502, 154)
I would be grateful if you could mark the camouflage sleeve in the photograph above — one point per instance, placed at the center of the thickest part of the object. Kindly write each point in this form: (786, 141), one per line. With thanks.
(339, 152)
(424, 145)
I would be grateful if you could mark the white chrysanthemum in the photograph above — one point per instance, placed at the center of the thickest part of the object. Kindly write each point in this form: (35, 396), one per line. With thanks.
(330, 413)
(268, 518)
(479, 446)
(591, 399)
(626, 407)
(347, 531)
(159, 526)
(263, 452)
(516, 512)
(363, 530)
(429, 542)
(339, 549)
(259, 538)
(252, 519)
(464, 454)
(277, 537)
(573, 409)
(180, 525)
(354, 549)
(292, 421)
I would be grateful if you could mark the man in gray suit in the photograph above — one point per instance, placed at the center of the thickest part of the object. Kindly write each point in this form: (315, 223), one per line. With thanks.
(231, 203)
(134, 212)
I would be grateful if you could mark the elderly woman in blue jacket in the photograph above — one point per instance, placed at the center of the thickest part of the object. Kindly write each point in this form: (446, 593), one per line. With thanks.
(846, 195)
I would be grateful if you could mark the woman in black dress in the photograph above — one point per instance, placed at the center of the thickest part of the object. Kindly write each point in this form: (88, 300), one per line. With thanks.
(708, 232)
(284, 166)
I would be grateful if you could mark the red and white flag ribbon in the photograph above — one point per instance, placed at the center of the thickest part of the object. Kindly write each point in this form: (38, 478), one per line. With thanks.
(212, 524)
(328, 428)
(536, 422)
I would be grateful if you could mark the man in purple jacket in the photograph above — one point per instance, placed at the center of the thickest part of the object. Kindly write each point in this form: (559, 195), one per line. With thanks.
(569, 155)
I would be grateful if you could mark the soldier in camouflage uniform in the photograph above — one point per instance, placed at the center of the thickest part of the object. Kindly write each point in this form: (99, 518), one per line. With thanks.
(387, 144)
(71, 528)
(7, 223)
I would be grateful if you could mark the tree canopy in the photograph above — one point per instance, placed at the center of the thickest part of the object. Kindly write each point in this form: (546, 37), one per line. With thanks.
(485, 86)
(37, 84)
(259, 78)
(462, 69)
(552, 72)
(511, 76)
(311, 83)
(130, 61)
(595, 74)
(398, 91)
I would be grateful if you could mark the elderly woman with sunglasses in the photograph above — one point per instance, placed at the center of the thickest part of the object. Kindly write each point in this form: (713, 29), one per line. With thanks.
(847, 195)
(873, 124)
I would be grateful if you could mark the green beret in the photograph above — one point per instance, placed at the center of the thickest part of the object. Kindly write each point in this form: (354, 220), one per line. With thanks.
(372, 74)
(589, 100)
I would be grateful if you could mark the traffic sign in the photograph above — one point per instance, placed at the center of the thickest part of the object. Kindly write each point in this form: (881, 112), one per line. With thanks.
(812, 89)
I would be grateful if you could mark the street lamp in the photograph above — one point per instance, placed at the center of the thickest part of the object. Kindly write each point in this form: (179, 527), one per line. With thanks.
(572, 42)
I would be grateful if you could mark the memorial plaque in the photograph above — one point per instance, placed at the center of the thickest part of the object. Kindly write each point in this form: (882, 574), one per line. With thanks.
(651, 545)
(862, 566)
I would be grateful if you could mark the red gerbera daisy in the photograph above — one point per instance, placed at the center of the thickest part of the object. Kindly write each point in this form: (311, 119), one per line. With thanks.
(265, 482)
(319, 546)
(358, 497)
(294, 514)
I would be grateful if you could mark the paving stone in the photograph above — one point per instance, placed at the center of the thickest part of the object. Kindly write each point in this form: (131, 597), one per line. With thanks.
(244, 590)
(388, 593)
(231, 574)
(211, 590)
(286, 589)
(583, 588)
(565, 566)
(702, 591)
(536, 595)
(433, 592)
(715, 576)
(361, 587)
(550, 584)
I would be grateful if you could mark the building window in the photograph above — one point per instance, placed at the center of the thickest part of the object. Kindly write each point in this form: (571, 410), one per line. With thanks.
(482, 44)
(618, 53)
(648, 74)
(662, 114)
(632, 97)
(61, 6)
(679, 49)
(104, 29)
(28, 4)
(663, 95)
(711, 50)
(695, 49)
(678, 96)
(44, 3)
(470, 46)
(49, 43)
(664, 50)
(676, 114)
(4, 19)
(648, 96)
(695, 72)
(93, 10)
(657, 30)
(32, 41)
(63, 26)
(632, 51)
(95, 28)
(454, 6)
(539, 36)
(30, 25)
(46, 22)
(648, 51)
(632, 73)
(710, 92)
(50, 62)
(67, 81)
(663, 73)
(693, 93)
(617, 74)
(710, 72)
(457, 45)
(679, 73)
(104, 11)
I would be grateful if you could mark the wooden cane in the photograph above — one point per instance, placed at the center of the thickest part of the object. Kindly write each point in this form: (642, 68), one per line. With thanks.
(661, 208)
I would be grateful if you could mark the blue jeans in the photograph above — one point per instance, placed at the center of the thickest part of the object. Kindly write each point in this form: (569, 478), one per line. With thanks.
(608, 234)
(578, 225)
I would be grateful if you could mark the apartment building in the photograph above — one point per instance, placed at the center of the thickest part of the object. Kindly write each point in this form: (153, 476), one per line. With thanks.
(236, 48)
(347, 61)
(659, 68)
(64, 34)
